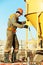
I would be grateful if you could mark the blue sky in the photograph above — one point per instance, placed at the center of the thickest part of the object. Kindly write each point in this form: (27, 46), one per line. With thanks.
(8, 7)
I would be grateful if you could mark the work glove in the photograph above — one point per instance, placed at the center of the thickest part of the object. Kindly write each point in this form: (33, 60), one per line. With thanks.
(25, 26)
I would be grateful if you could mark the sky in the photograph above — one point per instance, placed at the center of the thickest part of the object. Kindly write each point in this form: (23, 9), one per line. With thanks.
(8, 7)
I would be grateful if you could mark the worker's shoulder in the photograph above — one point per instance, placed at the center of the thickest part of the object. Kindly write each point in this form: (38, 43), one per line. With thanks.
(13, 15)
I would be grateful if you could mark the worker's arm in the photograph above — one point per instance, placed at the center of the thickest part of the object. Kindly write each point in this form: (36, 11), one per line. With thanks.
(14, 22)
(21, 22)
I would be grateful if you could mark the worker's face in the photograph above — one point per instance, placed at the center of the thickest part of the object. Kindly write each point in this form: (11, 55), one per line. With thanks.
(19, 15)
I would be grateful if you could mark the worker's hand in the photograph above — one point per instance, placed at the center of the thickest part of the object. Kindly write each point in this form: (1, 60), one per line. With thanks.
(25, 26)
(24, 22)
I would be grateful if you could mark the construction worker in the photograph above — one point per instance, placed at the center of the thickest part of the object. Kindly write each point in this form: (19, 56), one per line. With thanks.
(13, 23)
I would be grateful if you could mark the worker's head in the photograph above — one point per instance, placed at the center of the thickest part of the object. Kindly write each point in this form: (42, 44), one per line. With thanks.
(19, 11)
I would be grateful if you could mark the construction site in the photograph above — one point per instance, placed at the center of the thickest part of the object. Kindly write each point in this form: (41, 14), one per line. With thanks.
(30, 51)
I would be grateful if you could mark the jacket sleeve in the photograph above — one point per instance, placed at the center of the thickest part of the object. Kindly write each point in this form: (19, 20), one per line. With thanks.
(14, 22)
(21, 22)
